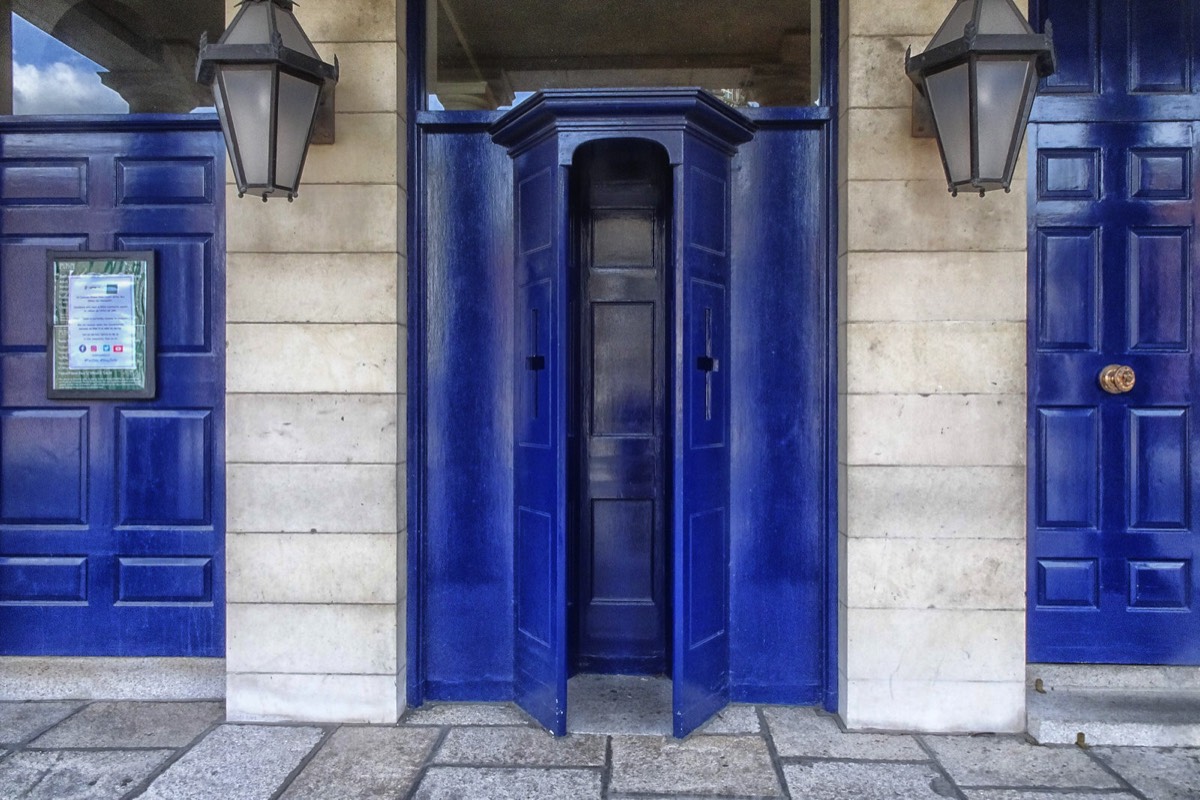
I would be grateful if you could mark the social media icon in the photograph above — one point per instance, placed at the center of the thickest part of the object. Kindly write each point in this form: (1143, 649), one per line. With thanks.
(94, 348)
(118, 348)
(83, 348)
(107, 348)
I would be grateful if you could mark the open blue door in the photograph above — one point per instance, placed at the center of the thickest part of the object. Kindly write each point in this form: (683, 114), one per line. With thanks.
(700, 668)
(540, 452)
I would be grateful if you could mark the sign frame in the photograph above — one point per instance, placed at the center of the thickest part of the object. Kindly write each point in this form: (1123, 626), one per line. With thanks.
(139, 383)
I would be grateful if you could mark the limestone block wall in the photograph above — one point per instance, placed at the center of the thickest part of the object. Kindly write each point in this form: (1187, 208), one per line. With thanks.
(932, 316)
(316, 404)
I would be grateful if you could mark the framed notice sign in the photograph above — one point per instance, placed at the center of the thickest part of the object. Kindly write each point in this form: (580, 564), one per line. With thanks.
(101, 325)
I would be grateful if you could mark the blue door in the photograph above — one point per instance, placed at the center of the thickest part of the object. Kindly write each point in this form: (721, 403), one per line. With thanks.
(701, 438)
(540, 431)
(1114, 568)
(112, 512)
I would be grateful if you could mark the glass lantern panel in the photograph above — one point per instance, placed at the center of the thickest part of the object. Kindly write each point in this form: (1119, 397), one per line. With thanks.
(297, 107)
(950, 97)
(955, 24)
(1001, 16)
(292, 34)
(252, 26)
(226, 128)
(1001, 92)
(247, 92)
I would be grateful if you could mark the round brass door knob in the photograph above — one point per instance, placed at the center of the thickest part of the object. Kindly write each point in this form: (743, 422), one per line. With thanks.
(1117, 378)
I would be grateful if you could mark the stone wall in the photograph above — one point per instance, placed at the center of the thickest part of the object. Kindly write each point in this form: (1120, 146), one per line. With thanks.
(316, 403)
(932, 325)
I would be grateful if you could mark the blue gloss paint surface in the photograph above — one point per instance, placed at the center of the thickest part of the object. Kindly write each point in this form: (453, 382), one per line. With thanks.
(1114, 549)
(112, 513)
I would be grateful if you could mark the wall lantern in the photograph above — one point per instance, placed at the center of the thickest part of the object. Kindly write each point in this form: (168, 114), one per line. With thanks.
(268, 82)
(979, 76)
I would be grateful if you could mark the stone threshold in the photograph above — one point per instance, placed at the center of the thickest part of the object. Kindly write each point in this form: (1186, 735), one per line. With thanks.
(35, 678)
(1114, 705)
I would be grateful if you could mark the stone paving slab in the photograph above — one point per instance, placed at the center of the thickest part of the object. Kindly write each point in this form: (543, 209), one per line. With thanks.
(619, 704)
(455, 783)
(701, 765)
(359, 763)
(77, 775)
(466, 714)
(1009, 761)
(1160, 773)
(802, 732)
(522, 747)
(236, 762)
(831, 780)
(20, 722)
(1024, 794)
(734, 719)
(118, 725)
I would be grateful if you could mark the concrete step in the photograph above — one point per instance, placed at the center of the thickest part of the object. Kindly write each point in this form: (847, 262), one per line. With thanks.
(1114, 706)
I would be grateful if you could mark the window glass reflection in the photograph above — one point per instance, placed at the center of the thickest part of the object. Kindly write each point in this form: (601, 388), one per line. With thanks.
(486, 55)
(105, 56)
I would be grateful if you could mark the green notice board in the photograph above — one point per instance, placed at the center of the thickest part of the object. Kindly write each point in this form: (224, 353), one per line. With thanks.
(101, 325)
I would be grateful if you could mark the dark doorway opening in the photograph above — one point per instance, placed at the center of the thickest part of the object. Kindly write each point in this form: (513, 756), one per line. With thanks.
(618, 593)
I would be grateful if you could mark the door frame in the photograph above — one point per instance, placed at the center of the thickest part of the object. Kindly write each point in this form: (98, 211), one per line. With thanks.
(821, 117)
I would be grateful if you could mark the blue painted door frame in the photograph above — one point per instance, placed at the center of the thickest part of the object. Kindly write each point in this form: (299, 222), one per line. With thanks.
(782, 633)
(112, 512)
(1114, 546)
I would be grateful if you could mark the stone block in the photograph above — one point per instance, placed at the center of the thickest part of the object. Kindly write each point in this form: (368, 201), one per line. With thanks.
(454, 783)
(734, 719)
(937, 574)
(311, 568)
(312, 429)
(935, 502)
(935, 358)
(311, 639)
(836, 781)
(1014, 762)
(910, 17)
(936, 430)
(309, 359)
(299, 498)
(1021, 794)
(520, 747)
(325, 218)
(354, 21)
(920, 215)
(20, 722)
(723, 765)
(882, 147)
(364, 764)
(77, 775)
(114, 725)
(365, 151)
(934, 706)
(1164, 774)
(913, 287)
(876, 77)
(246, 762)
(368, 82)
(924, 644)
(321, 287)
(473, 714)
(96, 678)
(262, 697)
(805, 733)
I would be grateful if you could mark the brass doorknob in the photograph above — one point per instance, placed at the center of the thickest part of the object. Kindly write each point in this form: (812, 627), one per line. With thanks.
(1117, 378)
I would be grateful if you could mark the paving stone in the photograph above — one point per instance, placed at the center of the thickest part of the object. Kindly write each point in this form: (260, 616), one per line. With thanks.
(114, 725)
(701, 765)
(1023, 794)
(454, 783)
(804, 732)
(1159, 772)
(734, 719)
(824, 780)
(360, 763)
(619, 704)
(235, 762)
(524, 747)
(466, 714)
(1013, 762)
(22, 721)
(93, 775)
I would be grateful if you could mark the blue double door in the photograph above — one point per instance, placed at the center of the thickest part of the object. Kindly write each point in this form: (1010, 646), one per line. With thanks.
(112, 512)
(1114, 547)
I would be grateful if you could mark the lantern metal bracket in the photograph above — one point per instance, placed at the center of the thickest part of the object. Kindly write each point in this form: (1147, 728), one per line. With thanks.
(323, 128)
(922, 116)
